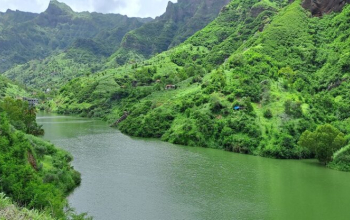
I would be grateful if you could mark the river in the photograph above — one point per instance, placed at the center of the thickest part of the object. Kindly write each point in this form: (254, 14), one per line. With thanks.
(128, 178)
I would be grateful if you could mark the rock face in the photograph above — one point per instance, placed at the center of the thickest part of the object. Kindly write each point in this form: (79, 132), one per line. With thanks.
(320, 7)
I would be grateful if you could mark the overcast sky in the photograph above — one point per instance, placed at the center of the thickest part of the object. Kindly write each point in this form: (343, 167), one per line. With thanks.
(132, 8)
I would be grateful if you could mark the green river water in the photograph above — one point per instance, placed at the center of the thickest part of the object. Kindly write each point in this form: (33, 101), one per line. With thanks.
(129, 178)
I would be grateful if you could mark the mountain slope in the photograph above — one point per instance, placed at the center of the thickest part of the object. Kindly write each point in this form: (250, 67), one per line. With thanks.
(180, 21)
(84, 57)
(252, 81)
(26, 36)
(10, 89)
(87, 56)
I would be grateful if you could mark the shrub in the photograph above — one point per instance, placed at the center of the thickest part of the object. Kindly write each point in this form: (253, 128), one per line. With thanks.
(323, 142)
(267, 113)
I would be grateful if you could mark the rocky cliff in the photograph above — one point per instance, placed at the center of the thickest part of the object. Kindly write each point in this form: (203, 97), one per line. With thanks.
(320, 7)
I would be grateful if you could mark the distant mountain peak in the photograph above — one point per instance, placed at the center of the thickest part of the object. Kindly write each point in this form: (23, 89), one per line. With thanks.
(58, 8)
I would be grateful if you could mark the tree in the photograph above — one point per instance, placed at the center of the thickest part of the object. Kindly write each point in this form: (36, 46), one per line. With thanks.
(288, 74)
(22, 116)
(293, 108)
(323, 142)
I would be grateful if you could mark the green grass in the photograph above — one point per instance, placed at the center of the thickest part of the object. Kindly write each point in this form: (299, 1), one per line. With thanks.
(9, 210)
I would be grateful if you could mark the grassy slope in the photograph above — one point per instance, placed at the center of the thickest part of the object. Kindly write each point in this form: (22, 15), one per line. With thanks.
(8, 88)
(54, 71)
(291, 64)
(8, 210)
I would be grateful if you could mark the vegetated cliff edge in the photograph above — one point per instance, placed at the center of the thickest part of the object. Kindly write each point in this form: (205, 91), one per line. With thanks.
(34, 173)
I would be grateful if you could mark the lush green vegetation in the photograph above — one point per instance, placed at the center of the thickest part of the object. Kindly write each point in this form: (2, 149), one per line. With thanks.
(79, 44)
(263, 78)
(10, 211)
(252, 81)
(341, 159)
(33, 173)
(22, 116)
(324, 142)
(179, 22)
(10, 89)
(52, 72)
(27, 36)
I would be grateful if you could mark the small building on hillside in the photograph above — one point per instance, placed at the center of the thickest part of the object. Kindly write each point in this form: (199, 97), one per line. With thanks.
(31, 101)
(167, 87)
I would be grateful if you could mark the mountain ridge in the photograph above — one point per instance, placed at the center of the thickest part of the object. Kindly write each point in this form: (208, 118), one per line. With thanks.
(41, 35)
(38, 72)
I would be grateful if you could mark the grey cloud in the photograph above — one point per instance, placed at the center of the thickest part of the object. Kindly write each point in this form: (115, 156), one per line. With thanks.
(28, 6)
(153, 8)
(109, 6)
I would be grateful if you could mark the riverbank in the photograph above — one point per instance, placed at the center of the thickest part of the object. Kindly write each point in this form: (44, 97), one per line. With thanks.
(135, 178)
(34, 173)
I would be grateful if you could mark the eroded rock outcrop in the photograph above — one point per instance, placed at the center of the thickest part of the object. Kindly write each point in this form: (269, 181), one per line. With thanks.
(320, 7)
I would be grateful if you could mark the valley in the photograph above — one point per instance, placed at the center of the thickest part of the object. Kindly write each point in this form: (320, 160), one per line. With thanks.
(264, 78)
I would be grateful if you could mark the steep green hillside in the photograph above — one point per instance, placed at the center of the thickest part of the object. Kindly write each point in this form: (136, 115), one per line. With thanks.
(34, 173)
(86, 50)
(11, 17)
(172, 66)
(252, 81)
(49, 74)
(180, 21)
(10, 89)
(27, 36)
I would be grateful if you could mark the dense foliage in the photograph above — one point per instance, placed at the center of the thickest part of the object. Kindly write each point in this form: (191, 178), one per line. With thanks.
(341, 159)
(21, 115)
(34, 173)
(324, 142)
